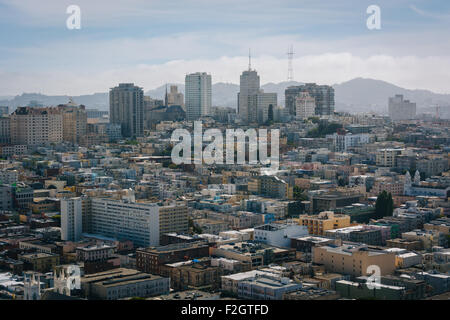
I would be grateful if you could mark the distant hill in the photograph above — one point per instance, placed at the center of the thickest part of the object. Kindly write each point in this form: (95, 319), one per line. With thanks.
(357, 95)
(91, 101)
(372, 95)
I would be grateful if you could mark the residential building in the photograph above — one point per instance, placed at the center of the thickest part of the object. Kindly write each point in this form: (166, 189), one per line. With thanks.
(198, 95)
(126, 107)
(400, 109)
(326, 220)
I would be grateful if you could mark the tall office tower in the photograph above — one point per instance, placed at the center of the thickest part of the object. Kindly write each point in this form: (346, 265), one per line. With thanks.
(323, 95)
(198, 95)
(126, 107)
(175, 98)
(71, 219)
(247, 96)
(400, 109)
(5, 129)
(305, 106)
(74, 121)
(36, 126)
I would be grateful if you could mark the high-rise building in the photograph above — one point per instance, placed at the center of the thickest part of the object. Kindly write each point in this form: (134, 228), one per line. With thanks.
(248, 96)
(198, 95)
(253, 103)
(126, 107)
(175, 98)
(5, 130)
(74, 122)
(71, 219)
(400, 109)
(305, 106)
(36, 126)
(323, 95)
(125, 220)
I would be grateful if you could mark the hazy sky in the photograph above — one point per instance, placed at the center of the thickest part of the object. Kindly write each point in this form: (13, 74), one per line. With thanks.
(150, 42)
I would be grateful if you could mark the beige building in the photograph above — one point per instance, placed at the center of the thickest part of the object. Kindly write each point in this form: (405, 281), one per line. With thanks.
(354, 260)
(326, 220)
(36, 126)
(175, 98)
(387, 157)
(173, 218)
(74, 122)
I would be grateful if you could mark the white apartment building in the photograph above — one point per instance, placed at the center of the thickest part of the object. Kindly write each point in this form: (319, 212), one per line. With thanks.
(198, 95)
(125, 220)
(71, 219)
(279, 235)
(305, 106)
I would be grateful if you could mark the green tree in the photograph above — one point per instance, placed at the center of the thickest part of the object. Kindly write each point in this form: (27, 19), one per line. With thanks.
(298, 194)
(384, 205)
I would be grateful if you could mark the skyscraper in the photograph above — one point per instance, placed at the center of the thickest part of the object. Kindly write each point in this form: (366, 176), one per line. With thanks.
(126, 107)
(198, 98)
(253, 103)
(247, 96)
(400, 109)
(323, 95)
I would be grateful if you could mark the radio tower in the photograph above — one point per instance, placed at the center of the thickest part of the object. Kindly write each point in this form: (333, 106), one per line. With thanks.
(290, 55)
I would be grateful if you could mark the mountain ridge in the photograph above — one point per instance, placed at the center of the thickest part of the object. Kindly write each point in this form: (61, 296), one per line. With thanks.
(356, 95)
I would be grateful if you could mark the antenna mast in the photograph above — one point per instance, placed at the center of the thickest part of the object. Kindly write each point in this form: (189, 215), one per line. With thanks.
(249, 60)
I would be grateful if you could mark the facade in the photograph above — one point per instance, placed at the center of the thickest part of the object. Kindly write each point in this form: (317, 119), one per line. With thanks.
(198, 95)
(5, 130)
(387, 157)
(122, 283)
(354, 260)
(125, 220)
(126, 107)
(173, 218)
(278, 235)
(327, 220)
(264, 103)
(175, 98)
(400, 109)
(40, 262)
(151, 259)
(36, 126)
(74, 122)
(305, 106)
(71, 219)
(323, 95)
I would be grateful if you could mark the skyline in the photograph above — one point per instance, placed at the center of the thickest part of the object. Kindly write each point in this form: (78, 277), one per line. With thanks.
(118, 43)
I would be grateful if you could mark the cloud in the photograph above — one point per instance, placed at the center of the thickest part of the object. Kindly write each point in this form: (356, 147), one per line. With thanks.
(411, 72)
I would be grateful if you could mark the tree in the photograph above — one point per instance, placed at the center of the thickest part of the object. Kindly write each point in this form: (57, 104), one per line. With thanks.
(384, 205)
(298, 194)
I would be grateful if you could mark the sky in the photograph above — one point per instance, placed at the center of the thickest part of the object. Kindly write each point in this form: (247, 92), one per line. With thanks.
(152, 42)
